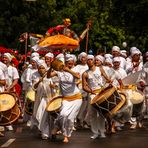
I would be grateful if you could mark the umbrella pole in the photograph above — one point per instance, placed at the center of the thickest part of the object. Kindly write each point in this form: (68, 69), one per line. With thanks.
(86, 48)
(26, 44)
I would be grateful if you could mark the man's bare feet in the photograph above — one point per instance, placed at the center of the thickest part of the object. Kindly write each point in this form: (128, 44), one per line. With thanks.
(66, 140)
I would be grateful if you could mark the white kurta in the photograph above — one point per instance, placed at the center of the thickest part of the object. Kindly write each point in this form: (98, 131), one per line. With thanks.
(144, 77)
(84, 107)
(131, 69)
(2, 77)
(69, 109)
(119, 74)
(40, 115)
(122, 62)
(27, 78)
(97, 121)
(12, 75)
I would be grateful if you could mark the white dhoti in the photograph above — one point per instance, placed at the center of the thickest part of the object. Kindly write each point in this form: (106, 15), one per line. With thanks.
(68, 113)
(97, 121)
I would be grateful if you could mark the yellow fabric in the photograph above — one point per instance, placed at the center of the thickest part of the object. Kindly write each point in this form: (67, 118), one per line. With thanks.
(58, 41)
(132, 87)
(98, 90)
(74, 97)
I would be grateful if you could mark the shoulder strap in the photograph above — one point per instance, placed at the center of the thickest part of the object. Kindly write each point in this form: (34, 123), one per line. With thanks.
(104, 74)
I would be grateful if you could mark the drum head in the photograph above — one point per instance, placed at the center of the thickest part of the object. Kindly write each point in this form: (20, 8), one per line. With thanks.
(136, 97)
(31, 95)
(105, 94)
(7, 101)
(54, 104)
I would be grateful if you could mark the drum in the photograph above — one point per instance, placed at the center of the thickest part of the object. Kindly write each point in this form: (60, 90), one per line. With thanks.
(134, 95)
(9, 110)
(54, 105)
(57, 65)
(29, 107)
(29, 104)
(31, 95)
(108, 101)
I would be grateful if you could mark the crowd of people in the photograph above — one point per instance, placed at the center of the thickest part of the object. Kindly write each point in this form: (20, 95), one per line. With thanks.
(78, 80)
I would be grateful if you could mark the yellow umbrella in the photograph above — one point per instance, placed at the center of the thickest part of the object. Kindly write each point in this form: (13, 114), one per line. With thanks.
(59, 41)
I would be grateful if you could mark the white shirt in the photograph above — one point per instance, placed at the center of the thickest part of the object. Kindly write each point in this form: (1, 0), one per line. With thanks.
(67, 84)
(131, 69)
(31, 74)
(119, 74)
(95, 79)
(81, 69)
(2, 77)
(11, 75)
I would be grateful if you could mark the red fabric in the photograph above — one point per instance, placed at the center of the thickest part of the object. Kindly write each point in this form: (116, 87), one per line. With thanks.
(15, 62)
(59, 27)
(18, 89)
(50, 30)
(4, 50)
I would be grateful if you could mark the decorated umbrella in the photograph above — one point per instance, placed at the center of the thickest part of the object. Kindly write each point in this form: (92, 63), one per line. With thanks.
(59, 41)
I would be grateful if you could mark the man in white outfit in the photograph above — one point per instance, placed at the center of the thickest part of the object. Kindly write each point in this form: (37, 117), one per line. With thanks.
(116, 53)
(80, 68)
(11, 78)
(92, 83)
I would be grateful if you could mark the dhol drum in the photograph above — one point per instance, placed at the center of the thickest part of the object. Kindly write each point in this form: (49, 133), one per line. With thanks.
(136, 97)
(29, 104)
(54, 106)
(9, 110)
(57, 65)
(108, 101)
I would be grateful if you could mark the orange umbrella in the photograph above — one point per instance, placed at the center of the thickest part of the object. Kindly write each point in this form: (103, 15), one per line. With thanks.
(59, 41)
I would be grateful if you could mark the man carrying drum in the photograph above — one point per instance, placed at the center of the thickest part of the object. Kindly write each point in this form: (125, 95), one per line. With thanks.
(30, 75)
(11, 78)
(143, 83)
(72, 98)
(92, 84)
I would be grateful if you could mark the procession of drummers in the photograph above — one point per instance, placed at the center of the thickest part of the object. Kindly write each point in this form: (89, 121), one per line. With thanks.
(63, 93)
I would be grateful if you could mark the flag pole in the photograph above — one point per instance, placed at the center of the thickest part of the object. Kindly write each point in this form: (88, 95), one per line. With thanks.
(86, 48)
(26, 45)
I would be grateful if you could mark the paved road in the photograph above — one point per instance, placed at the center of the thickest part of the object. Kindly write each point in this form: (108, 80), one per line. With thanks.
(23, 137)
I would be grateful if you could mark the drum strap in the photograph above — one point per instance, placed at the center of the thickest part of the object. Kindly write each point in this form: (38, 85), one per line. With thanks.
(131, 87)
(74, 97)
(104, 74)
(98, 90)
